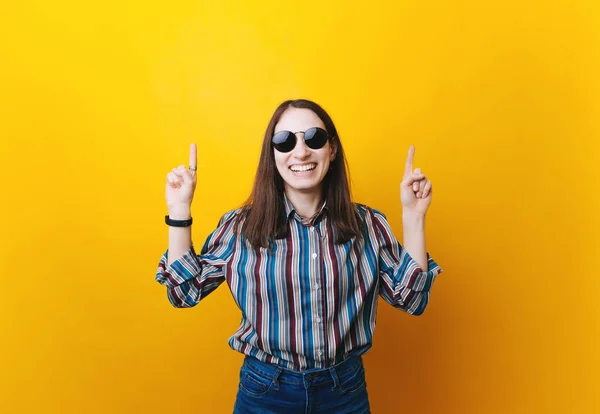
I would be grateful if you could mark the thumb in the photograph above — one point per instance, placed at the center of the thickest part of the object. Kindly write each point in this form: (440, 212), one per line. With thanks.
(409, 179)
(184, 174)
(187, 177)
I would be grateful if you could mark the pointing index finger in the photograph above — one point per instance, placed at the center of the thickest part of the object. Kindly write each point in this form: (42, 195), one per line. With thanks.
(409, 160)
(193, 156)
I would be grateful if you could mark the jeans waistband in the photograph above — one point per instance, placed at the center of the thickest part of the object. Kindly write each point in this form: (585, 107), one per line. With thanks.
(340, 369)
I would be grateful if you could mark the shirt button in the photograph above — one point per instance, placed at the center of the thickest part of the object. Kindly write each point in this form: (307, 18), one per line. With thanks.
(312, 229)
(314, 255)
(320, 353)
(318, 319)
(316, 286)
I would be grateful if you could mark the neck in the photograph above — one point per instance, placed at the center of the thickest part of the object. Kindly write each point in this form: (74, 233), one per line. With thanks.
(305, 204)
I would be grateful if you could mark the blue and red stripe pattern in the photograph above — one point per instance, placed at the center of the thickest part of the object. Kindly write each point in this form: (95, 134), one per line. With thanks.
(306, 301)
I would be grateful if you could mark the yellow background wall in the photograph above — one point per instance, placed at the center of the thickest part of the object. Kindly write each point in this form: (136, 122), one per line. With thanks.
(99, 100)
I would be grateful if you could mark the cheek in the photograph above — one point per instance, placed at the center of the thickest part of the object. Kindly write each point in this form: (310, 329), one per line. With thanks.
(279, 162)
(325, 158)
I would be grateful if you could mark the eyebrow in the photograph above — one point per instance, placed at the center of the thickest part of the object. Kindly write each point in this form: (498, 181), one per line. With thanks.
(284, 129)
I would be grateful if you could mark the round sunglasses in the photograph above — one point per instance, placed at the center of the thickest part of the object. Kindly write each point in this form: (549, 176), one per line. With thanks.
(314, 138)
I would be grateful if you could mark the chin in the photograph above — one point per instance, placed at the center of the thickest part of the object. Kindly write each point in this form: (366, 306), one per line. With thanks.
(306, 186)
(303, 187)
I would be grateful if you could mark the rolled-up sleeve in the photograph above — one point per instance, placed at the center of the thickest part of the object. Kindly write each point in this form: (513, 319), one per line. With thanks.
(192, 277)
(404, 284)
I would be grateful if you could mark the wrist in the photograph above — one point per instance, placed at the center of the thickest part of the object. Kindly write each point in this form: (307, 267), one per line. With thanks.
(413, 219)
(180, 213)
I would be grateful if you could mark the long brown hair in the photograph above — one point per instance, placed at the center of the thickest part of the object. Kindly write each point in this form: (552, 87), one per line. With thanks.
(264, 211)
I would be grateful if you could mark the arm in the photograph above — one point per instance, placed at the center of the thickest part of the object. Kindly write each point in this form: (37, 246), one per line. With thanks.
(180, 238)
(414, 237)
(190, 277)
(404, 283)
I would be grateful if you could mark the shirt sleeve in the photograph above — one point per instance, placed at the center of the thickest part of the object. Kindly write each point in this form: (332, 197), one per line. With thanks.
(192, 277)
(403, 283)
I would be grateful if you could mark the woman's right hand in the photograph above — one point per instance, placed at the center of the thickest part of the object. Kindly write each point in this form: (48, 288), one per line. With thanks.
(181, 184)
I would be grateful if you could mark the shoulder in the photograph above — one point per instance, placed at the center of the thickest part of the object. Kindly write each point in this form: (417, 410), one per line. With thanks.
(225, 229)
(369, 214)
(231, 216)
(374, 221)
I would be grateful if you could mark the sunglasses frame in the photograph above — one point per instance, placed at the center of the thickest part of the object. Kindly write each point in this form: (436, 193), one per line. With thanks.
(328, 137)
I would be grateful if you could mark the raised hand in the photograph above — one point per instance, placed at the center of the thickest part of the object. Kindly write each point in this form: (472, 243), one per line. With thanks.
(415, 189)
(181, 184)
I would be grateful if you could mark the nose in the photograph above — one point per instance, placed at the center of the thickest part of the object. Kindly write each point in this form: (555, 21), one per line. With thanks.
(301, 150)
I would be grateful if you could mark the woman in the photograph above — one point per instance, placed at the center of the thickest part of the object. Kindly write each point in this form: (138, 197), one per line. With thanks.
(304, 264)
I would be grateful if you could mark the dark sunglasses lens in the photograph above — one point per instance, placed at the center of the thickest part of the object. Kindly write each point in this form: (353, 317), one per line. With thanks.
(315, 138)
(284, 141)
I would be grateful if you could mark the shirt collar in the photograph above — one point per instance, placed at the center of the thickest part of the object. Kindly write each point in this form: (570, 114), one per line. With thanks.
(290, 210)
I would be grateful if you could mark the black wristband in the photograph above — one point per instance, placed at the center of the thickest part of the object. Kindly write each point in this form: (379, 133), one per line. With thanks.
(178, 223)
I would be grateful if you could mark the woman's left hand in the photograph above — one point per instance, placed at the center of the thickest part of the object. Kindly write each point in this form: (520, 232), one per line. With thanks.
(415, 188)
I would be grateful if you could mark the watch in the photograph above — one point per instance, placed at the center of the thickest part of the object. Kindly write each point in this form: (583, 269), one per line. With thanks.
(178, 223)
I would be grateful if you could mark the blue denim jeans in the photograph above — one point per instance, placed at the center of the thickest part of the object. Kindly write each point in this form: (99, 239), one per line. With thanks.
(268, 388)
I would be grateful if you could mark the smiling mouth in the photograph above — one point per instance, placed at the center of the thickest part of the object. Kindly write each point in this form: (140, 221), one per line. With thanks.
(303, 168)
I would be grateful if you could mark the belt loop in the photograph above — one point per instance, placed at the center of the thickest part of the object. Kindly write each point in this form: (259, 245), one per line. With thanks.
(335, 378)
(276, 379)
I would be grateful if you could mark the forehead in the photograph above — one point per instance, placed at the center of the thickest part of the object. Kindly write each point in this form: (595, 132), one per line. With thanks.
(298, 119)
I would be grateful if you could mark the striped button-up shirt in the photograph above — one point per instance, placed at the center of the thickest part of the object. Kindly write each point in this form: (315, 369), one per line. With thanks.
(306, 301)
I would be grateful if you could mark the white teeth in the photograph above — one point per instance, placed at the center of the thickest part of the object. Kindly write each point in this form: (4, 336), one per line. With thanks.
(299, 168)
